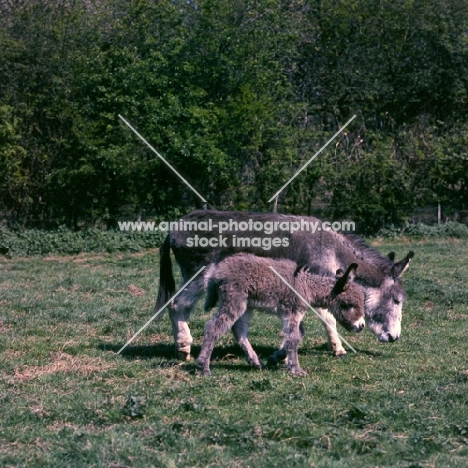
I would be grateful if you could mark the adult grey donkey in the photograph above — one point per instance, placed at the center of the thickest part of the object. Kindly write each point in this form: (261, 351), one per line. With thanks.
(378, 276)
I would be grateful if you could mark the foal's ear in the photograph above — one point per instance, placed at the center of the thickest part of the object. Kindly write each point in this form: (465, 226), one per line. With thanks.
(400, 267)
(345, 280)
(299, 269)
(391, 256)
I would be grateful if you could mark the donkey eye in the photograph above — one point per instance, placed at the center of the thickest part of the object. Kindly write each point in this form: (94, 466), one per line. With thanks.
(396, 301)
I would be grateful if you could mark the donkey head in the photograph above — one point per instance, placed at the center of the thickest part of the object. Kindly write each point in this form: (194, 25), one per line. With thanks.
(347, 300)
(384, 304)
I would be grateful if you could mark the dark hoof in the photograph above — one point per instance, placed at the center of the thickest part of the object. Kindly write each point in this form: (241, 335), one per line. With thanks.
(276, 357)
(255, 364)
(184, 356)
(272, 361)
(203, 370)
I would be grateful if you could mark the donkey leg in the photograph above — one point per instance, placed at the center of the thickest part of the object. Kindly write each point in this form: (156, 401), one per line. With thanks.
(240, 330)
(229, 311)
(277, 356)
(179, 313)
(334, 342)
(292, 341)
(281, 354)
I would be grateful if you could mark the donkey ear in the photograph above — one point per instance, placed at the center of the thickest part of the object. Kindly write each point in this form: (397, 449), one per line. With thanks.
(345, 280)
(300, 268)
(399, 268)
(391, 256)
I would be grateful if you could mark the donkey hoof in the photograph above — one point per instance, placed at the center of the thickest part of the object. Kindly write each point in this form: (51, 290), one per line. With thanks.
(206, 372)
(272, 361)
(298, 372)
(184, 356)
(276, 357)
(257, 364)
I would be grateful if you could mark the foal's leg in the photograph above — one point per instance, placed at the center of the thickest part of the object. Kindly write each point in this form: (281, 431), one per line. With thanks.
(292, 340)
(334, 342)
(240, 330)
(229, 311)
(281, 353)
(179, 313)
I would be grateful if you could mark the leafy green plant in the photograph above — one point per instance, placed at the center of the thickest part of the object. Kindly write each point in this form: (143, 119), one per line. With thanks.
(450, 229)
(66, 241)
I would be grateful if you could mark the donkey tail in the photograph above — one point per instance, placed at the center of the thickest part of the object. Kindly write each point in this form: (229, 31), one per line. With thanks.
(211, 294)
(166, 279)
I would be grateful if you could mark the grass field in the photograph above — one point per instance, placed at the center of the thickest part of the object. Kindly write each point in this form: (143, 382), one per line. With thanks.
(67, 398)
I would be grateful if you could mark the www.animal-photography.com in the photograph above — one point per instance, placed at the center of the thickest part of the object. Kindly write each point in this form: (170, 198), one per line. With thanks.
(233, 234)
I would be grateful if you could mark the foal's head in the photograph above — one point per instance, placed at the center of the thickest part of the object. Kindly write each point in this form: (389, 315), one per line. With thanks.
(346, 300)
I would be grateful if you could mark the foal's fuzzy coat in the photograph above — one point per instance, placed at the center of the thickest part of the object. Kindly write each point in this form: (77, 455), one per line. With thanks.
(244, 282)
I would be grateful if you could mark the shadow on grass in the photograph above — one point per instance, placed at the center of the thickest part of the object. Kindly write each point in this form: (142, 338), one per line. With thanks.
(370, 353)
(141, 352)
(165, 350)
(224, 357)
(168, 351)
(322, 350)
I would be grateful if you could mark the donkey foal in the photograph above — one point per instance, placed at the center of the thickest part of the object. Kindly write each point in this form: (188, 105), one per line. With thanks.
(244, 282)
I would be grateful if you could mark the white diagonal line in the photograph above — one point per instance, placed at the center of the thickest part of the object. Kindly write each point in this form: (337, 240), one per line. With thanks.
(160, 157)
(308, 305)
(161, 309)
(312, 158)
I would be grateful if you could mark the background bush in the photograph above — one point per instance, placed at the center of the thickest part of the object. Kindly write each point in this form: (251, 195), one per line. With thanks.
(66, 241)
(237, 96)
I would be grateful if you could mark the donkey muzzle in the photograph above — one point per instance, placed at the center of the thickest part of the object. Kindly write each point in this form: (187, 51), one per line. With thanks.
(358, 327)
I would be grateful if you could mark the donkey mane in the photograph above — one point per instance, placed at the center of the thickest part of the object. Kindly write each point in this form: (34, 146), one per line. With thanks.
(367, 253)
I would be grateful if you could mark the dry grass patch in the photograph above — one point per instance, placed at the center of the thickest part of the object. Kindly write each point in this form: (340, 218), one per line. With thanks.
(10, 354)
(63, 363)
(158, 338)
(3, 327)
(136, 291)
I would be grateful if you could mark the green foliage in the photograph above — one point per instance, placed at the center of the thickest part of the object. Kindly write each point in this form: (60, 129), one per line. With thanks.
(14, 177)
(447, 230)
(237, 96)
(135, 406)
(27, 242)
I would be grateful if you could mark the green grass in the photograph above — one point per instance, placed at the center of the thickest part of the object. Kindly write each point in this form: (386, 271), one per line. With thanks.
(63, 389)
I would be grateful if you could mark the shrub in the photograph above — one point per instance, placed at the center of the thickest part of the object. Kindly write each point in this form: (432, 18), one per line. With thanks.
(65, 241)
(450, 229)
